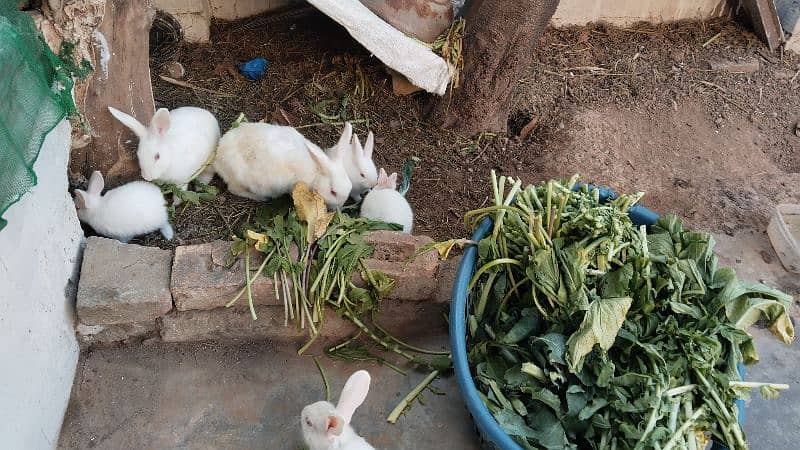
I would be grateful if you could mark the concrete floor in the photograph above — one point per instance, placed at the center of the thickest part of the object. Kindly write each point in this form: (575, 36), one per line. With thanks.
(245, 396)
(249, 396)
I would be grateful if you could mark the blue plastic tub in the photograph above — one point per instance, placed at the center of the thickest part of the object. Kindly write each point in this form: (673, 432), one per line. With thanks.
(489, 429)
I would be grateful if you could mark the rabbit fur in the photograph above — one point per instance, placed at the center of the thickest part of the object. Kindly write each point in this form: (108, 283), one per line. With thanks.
(384, 204)
(175, 145)
(359, 166)
(260, 161)
(327, 427)
(122, 213)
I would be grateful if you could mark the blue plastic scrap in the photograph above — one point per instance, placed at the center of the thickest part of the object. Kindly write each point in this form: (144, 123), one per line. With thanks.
(254, 69)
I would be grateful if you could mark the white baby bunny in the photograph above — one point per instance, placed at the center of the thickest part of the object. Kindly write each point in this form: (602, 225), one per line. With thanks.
(360, 168)
(327, 427)
(130, 210)
(260, 161)
(385, 204)
(175, 145)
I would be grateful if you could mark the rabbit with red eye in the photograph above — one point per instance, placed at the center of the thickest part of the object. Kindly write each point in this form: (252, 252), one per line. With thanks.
(359, 166)
(327, 427)
(384, 204)
(130, 210)
(175, 145)
(260, 161)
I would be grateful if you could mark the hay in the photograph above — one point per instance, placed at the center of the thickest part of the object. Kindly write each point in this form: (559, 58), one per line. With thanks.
(166, 37)
(449, 45)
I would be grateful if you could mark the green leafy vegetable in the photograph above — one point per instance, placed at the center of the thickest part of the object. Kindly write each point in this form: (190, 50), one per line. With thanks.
(600, 326)
(586, 331)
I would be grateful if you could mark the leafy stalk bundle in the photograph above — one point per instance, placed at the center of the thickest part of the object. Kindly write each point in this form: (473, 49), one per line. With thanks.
(585, 331)
(311, 256)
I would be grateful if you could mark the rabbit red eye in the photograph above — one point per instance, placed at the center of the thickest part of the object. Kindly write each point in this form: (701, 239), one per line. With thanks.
(333, 193)
(158, 156)
(362, 175)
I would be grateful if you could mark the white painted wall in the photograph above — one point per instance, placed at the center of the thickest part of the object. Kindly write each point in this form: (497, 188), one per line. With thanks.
(195, 15)
(627, 12)
(39, 252)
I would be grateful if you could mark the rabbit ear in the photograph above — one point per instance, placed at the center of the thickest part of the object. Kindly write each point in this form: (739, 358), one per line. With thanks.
(382, 178)
(320, 158)
(369, 145)
(129, 121)
(161, 122)
(357, 149)
(80, 198)
(334, 425)
(393, 180)
(344, 140)
(353, 394)
(96, 183)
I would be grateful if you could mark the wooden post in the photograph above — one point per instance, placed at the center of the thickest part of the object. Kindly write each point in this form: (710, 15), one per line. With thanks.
(121, 78)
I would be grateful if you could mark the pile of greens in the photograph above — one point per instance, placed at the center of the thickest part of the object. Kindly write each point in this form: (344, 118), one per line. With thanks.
(311, 255)
(586, 331)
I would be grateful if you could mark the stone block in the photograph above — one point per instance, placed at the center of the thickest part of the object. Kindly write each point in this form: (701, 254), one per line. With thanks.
(394, 245)
(202, 280)
(89, 335)
(183, 6)
(237, 9)
(445, 278)
(237, 324)
(123, 283)
(414, 277)
(196, 27)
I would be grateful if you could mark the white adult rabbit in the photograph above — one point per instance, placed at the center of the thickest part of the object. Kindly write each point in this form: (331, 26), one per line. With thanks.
(260, 161)
(130, 210)
(385, 204)
(359, 165)
(175, 145)
(327, 427)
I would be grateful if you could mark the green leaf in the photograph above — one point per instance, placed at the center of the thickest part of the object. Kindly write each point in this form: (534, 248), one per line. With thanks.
(592, 408)
(689, 310)
(769, 392)
(521, 329)
(533, 370)
(543, 272)
(617, 282)
(600, 326)
(513, 424)
(408, 167)
(745, 304)
(549, 433)
(555, 347)
(545, 396)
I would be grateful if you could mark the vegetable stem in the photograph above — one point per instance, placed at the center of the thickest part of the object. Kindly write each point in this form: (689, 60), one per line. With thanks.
(324, 380)
(406, 401)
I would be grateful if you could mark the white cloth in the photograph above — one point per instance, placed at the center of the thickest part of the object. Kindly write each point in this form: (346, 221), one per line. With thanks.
(418, 63)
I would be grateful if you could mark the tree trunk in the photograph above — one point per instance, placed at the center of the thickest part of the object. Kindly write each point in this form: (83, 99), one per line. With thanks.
(499, 42)
(121, 78)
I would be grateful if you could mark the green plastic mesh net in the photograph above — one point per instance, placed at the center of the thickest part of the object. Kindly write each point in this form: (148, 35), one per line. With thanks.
(35, 94)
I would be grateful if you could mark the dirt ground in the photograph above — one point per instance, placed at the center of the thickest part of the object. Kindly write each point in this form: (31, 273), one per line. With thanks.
(636, 109)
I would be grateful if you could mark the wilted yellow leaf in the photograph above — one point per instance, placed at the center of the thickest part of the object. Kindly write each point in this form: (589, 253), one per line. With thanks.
(445, 247)
(257, 237)
(701, 437)
(312, 210)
